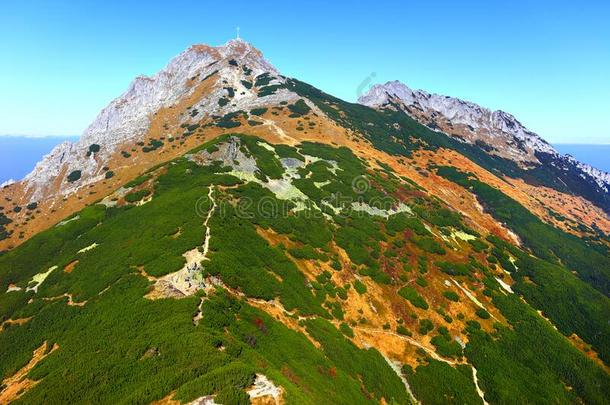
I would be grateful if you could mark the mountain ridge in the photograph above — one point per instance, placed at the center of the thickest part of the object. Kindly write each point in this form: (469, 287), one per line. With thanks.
(261, 241)
(496, 132)
(199, 87)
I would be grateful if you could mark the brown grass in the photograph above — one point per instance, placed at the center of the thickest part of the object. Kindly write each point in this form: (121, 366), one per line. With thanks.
(18, 384)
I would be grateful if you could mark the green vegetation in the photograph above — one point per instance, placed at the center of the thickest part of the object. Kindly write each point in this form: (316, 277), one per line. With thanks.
(408, 135)
(531, 362)
(156, 347)
(544, 240)
(403, 331)
(430, 245)
(445, 345)
(454, 269)
(74, 176)
(359, 287)
(346, 330)
(439, 383)
(299, 109)
(258, 111)
(137, 195)
(481, 313)
(153, 144)
(266, 160)
(93, 148)
(377, 376)
(425, 326)
(263, 79)
(230, 120)
(410, 294)
(451, 296)
(4, 220)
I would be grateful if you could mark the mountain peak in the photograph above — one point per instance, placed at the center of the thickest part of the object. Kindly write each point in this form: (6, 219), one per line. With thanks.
(128, 117)
(235, 48)
(462, 119)
(497, 132)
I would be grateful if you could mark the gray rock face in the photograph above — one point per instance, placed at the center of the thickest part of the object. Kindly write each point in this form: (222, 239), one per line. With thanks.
(498, 131)
(127, 118)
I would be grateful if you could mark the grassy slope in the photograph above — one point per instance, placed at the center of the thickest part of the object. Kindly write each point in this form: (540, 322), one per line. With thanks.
(106, 345)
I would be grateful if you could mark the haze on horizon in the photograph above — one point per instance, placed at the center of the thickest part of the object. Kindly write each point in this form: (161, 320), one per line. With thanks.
(544, 62)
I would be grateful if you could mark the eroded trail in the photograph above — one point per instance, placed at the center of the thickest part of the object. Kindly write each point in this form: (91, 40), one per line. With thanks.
(208, 231)
(188, 280)
(18, 384)
(430, 352)
(476, 385)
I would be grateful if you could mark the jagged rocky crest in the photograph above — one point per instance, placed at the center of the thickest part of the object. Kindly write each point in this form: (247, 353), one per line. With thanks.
(128, 117)
(497, 132)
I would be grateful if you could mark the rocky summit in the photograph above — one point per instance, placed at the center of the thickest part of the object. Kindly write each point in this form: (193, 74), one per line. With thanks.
(224, 234)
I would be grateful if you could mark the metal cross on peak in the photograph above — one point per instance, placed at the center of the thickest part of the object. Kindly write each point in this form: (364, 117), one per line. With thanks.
(237, 32)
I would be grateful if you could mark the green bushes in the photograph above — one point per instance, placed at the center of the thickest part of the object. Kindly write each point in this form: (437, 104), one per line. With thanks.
(299, 108)
(269, 90)
(4, 220)
(401, 222)
(445, 345)
(263, 79)
(410, 294)
(93, 148)
(377, 377)
(481, 313)
(451, 296)
(245, 260)
(439, 383)
(137, 195)
(403, 331)
(346, 330)
(231, 377)
(477, 245)
(230, 91)
(305, 252)
(428, 244)
(266, 160)
(425, 326)
(258, 111)
(153, 144)
(454, 269)
(572, 305)
(526, 363)
(421, 282)
(232, 396)
(531, 362)
(546, 242)
(359, 287)
(74, 176)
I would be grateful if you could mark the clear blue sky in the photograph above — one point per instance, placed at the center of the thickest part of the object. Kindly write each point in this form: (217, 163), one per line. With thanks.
(547, 62)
